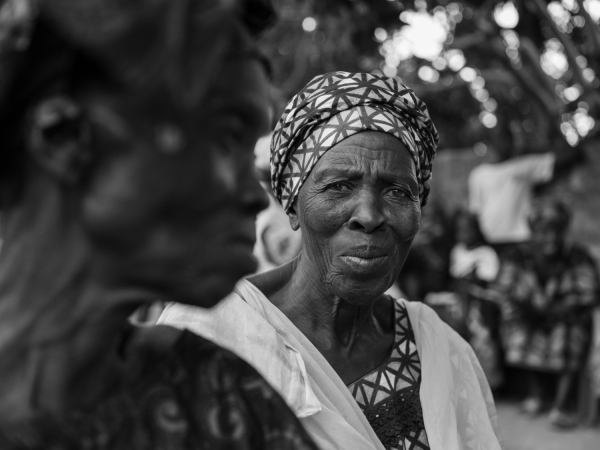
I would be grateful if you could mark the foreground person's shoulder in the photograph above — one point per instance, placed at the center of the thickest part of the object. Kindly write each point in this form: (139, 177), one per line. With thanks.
(228, 403)
(155, 339)
(179, 391)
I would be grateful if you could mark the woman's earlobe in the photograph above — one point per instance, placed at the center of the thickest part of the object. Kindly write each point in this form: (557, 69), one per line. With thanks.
(58, 138)
(293, 218)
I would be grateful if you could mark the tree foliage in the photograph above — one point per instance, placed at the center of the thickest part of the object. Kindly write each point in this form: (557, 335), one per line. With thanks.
(513, 85)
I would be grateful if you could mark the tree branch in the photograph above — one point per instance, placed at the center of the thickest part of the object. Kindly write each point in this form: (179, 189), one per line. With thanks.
(538, 7)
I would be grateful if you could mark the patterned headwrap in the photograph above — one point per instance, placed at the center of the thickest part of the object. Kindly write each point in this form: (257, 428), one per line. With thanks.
(337, 105)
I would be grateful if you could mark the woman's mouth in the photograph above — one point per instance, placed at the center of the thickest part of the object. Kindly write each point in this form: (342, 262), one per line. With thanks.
(365, 259)
(365, 252)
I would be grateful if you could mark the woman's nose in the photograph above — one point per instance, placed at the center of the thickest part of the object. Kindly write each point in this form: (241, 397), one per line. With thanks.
(367, 215)
(252, 195)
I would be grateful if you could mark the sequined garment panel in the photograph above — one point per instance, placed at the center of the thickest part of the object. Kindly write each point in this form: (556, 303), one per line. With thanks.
(197, 396)
(389, 396)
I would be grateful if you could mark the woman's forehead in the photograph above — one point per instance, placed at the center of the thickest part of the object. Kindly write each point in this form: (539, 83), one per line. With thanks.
(368, 146)
(372, 140)
(387, 158)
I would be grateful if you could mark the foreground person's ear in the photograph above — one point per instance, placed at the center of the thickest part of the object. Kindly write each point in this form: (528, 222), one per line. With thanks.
(58, 138)
(293, 217)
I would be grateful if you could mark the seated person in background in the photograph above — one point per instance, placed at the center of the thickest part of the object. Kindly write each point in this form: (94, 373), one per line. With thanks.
(351, 165)
(500, 192)
(119, 184)
(473, 265)
(547, 289)
(470, 258)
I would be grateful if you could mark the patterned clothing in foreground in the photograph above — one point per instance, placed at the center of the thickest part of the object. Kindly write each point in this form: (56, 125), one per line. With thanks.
(547, 321)
(389, 396)
(194, 396)
(337, 105)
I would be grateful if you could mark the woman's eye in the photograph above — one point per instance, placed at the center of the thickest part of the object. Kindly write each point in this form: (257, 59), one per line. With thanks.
(338, 187)
(398, 193)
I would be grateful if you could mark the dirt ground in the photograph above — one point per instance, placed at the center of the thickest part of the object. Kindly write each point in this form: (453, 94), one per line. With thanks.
(523, 433)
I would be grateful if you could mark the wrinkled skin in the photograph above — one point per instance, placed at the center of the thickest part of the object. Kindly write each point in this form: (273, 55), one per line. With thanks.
(143, 219)
(359, 211)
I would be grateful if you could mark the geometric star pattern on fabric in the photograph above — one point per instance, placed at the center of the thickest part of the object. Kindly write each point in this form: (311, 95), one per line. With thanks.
(389, 395)
(337, 105)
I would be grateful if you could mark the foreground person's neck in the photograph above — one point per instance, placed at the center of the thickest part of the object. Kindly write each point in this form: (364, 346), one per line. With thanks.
(60, 330)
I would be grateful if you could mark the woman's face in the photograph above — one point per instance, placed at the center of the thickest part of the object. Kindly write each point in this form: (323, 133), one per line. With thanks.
(172, 198)
(359, 211)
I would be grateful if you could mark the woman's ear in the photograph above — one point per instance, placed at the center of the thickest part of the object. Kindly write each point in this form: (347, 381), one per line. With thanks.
(58, 138)
(293, 217)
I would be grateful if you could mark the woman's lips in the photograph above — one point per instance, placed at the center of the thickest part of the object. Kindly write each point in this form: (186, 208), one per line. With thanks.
(359, 264)
(365, 252)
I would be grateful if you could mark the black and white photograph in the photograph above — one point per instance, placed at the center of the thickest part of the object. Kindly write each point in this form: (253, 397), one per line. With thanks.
(299, 225)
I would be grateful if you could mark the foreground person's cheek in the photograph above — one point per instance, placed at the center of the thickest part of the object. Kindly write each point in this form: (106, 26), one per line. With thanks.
(224, 173)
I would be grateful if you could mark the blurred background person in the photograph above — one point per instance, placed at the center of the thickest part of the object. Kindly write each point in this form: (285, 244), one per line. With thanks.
(425, 270)
(471, 259)
(500, 192)
(473, 266)
(547, 289)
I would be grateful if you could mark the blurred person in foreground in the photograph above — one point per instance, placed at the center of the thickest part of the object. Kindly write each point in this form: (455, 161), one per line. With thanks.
(126, 134)
(547, 289)
(501, 192)
(351, 162)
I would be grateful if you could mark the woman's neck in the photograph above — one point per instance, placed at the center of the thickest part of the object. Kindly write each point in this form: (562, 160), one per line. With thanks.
(330, 322)
(60, 327)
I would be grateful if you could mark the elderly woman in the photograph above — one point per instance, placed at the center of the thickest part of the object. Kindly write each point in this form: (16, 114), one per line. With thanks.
(126, 149)
(351, 165)
(547, 289)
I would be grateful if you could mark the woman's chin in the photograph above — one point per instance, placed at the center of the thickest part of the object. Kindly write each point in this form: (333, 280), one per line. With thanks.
(361, 292)
(361, 272)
